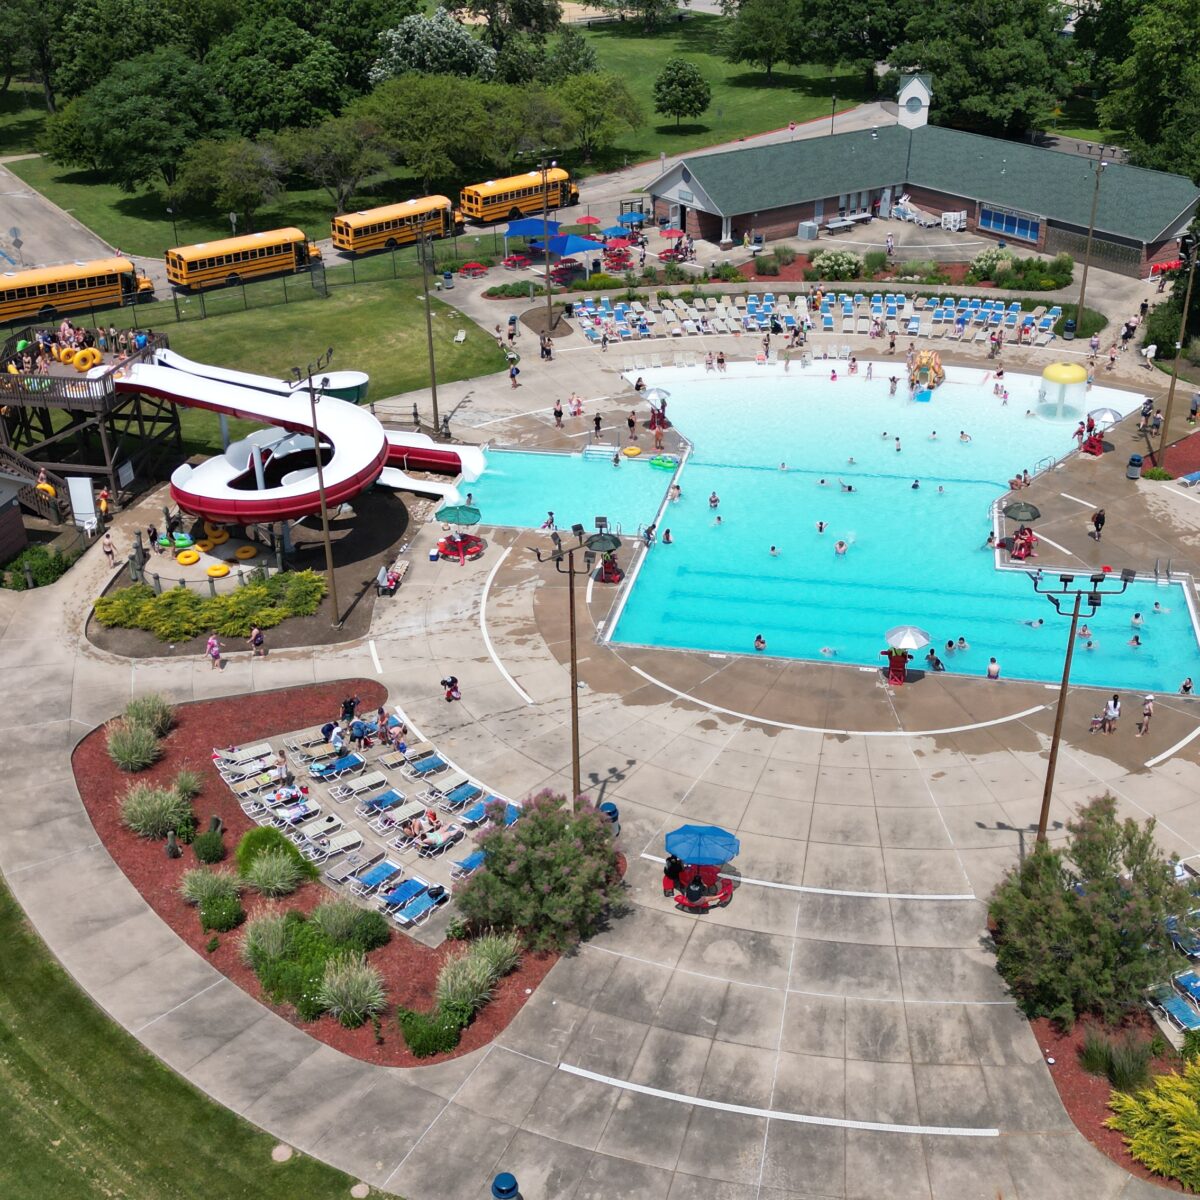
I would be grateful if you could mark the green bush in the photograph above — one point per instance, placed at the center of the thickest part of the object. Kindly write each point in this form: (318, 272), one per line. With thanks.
(1191, 1044)
(766, 264)
(201, 884)
(265, 939)
(274, 873)
(513, 291)
(266, 837)
(188, 783)
(176, 616)
(351, 989)
(153, 812)
(1095, 1055)
(427, 1034)
(874, 261)
(209, 847)
(221, 914)
(600, 282)
(1093, 321)
(336, 919)
(293, 976)
(784, 255)
(1129, 1066)
(1161, 1124)
(151, 711)
(500, 951)
(44, 565)
(990, 260)
(674, 273)
(1157, 474)
(131, 747)
(728, 273)
(837, 264)
(464, 986)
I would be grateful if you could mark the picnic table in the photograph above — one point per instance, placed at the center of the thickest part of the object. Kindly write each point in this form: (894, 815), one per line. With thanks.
(838, 224)
(515, 262)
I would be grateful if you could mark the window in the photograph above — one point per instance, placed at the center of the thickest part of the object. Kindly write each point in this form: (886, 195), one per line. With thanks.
(1024, 227)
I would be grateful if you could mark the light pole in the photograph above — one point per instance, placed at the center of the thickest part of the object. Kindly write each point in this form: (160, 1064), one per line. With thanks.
(558, 555)
(1056, 595)
(832, 113)
(545, 169)
(174, 227)
(424, 246)
(1186, 245)
(1087, 251)
(307, 373)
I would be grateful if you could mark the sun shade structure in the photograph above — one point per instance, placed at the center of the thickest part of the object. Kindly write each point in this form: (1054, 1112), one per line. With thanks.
(531, 226)
(703, 845)
(458, 514)
(1022, 510)
(907, 637)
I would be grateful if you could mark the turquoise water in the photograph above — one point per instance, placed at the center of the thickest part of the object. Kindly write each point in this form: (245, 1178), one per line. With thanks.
(915, 555)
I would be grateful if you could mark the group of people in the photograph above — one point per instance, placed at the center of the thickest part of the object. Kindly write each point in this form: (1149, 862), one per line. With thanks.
(257, 641)
(36, 357)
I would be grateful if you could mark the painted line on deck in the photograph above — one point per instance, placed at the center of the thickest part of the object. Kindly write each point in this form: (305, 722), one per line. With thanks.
(821, 891)
(1179, 745)
(487, 641)
(905, 733)
(375, 657)
(1043, 538)
(1085, 503)
(774, 1114)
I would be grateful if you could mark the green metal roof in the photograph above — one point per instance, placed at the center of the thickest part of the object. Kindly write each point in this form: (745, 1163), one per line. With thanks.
(1134, 203)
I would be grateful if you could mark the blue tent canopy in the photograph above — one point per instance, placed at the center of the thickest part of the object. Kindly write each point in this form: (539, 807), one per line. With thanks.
(531, 226)
(632, 218)
(570, 243)
(702, 845)
(615, 231)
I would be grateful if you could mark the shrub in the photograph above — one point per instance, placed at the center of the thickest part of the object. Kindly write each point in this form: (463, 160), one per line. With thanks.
(200, 884)
(209, 847)
(427, 1034)
(45, 566)
(176, 616)
(1095, 1055)
(151, 711)
(837, 264)
(265, 938)
(728, 273)
(132, 747)
(784, 255)
(550, 876)
(674, 273)
(267, 837)
(464, 986)
(274, 873)
(988, 261)
(124, 607)
(919, 267)
(1092, 322)
(874, 261)
(766, 264)
(293, 976)
(152, 812)
(501, 952)
(336, 919)
(221, 914)
(512, 291)
(351, 989)
(1191, 1044)
(1129, 1063)
(600, 282)
(188, 783)
(1157, 474)
(1161, 1124)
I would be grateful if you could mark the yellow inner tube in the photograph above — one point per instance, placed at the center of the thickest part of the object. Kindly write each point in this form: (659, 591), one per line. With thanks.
(246, 552)
(48, 488)
(632, 451)
(218, 570)
(186, 558)
(204, 546)
(212, 530)
(219, 538)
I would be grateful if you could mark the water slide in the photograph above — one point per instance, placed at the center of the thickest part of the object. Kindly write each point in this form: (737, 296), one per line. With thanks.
(253, 479)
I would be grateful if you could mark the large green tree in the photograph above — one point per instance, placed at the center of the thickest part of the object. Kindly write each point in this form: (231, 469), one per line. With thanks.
(1156, 93)
(1083, 928)
(433, 45)
(31, 28)
(680, 90)
(277, 75)
(855, 33)
(998, 66)
(653, 14)
(1102, 33)
(525, 121)
(339, 154)
(762, 32)
(600, 107)
(571, 54)
(232, 174)
(501, 19)
(141, 118)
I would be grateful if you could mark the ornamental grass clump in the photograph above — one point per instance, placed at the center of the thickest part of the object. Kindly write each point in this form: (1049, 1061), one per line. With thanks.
(265, 937)
(274, 873)
(201, 885)
(152, 812)
(132, 747)
(351, 989)
(151, 711)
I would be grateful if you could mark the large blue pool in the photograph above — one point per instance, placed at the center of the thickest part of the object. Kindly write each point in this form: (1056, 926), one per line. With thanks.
(915, 555)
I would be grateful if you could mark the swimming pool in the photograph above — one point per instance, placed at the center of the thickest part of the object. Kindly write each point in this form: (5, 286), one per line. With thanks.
(915, 555)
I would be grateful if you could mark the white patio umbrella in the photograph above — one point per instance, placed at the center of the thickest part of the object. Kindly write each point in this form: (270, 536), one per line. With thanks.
(907, 637)
(1105, 416)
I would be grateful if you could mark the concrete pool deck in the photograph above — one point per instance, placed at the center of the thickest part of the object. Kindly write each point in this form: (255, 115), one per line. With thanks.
(839, 1029)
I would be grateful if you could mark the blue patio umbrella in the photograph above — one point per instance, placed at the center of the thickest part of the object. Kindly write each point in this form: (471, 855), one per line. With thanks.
(567, 244)
(702, 845)
(531, 226)
(632, 218)
(614, 231)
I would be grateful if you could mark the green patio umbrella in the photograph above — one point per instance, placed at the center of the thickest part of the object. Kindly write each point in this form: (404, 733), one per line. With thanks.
(603, 543)
(458, 514)
(1022, 510)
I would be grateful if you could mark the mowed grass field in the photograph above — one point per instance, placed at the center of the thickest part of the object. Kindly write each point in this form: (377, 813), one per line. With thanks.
(89, 1115)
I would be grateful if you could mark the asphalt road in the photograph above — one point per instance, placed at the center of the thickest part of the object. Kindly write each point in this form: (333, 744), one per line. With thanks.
(47, 233)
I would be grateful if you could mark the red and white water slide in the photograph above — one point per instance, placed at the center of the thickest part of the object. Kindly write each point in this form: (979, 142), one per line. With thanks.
(251, 481)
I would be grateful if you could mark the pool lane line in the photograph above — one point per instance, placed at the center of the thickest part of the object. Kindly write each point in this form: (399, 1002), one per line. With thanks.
(1179, 745)
(729, 712)
(821, 891)
(487, 641)
(776, 1115)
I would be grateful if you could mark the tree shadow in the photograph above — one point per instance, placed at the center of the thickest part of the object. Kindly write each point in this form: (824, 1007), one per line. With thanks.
(682, 130)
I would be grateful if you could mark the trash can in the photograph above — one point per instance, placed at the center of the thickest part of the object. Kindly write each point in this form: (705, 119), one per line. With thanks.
(1069, 331)
(447, 279)
(609, 809)
(1134, 470)
(569, 309)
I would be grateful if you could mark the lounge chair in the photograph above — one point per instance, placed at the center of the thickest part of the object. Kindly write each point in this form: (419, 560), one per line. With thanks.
(374, 805)
(243, 788)
(455, 798)
(240, 754)
(437, 841)
(324, 826)
(346, 765)
(431, 764)
(352, 864)
(464, 868)
(294, 814)
(305, 758)
(322, 849)
(373, 878)
(417, 910)
(358, 787)
(1175, 1008)
(249, 770)
(475, 814)
(386, 822)
(304, 741)
(399, 896)
(435, 793)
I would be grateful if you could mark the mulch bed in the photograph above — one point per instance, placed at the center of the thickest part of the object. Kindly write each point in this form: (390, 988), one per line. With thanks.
(409, 969)
(794, 273)
(1085, 1096)
(1183, 457)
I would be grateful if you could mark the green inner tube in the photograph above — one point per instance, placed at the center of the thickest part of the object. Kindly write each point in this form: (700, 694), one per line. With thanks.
(664, 462)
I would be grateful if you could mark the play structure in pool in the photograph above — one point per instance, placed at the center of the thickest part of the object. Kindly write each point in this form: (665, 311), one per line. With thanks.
(271, 475)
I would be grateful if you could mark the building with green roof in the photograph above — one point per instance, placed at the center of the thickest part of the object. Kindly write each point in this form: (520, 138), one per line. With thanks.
(1026, 194)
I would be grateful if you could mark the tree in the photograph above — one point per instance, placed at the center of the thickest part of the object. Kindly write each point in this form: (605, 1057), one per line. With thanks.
(233, 174)
(141, 118)
(1102, 33)
(551, 876)
(1084, 928)
(436, 45)
(599, 109)
(858, 33)
(66, 138)
(502, 18)
(1156, 93)
(680, 90)
(275, 76)
(338, 154)
(761, 32)
(998, 66)
(524, 121)
(353, 29)
(31, 26)
(521, 59)
(572, 54)
(653, 14)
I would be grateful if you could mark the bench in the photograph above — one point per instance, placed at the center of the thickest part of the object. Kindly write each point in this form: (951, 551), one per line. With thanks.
(838, 224)
(390, 578)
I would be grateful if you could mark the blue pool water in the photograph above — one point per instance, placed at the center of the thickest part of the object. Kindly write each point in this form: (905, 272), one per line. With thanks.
(915, 555)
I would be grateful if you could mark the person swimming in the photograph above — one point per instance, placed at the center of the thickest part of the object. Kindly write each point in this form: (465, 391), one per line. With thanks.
(847, 487)
(1158, 608)
(760, 642)
(1084, 632)
(1034, 624)
(774, 551)
(963, 436)
(821, 526)
(829, 652)
(916, 484)
(840, 547)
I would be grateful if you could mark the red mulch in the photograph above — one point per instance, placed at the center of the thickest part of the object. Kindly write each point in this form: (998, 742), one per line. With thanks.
(1183, 456)
(1085, 1096)
(409, 969)
(794, 272)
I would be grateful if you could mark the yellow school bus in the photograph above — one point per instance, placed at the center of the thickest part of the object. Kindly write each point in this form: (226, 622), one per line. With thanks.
(506, 199)
(48, 291)
(395, 225)
(237, 259)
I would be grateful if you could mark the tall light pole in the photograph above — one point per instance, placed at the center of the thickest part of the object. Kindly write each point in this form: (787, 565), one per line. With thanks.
(832, 113)
(545, 169)
(322, 362)
(424, 246)
(1056, 596)
(1188, 245)
(1087, 252)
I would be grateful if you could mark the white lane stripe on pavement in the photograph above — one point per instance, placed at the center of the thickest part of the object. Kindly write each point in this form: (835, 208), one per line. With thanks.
(483, 629)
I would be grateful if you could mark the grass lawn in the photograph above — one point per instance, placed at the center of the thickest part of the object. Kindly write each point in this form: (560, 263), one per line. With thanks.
(22, 114)
(744, 101)
(91, 1115)
(1078, 119)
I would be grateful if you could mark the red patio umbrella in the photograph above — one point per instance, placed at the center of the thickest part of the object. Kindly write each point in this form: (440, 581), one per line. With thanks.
(588, 221)
(671, 233)
(473, 266)
(619, 244)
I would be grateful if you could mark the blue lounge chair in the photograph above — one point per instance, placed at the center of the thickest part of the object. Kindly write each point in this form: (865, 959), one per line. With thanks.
(346, 765)
(1189, 982)
(398, 897)
(372, 880)
(461, 795)
(511, 814)
(431, 764)
(1176, 1009)
(464, 868)
(417, 910)
(475, 814)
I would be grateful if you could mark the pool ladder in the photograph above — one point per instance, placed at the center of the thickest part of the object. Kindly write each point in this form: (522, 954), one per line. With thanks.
(1162, 574)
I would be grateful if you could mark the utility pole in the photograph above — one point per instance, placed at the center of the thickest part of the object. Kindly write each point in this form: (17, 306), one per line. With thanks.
(1187, 246)
(546, 239)
(1087, 253)
(425, 250)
